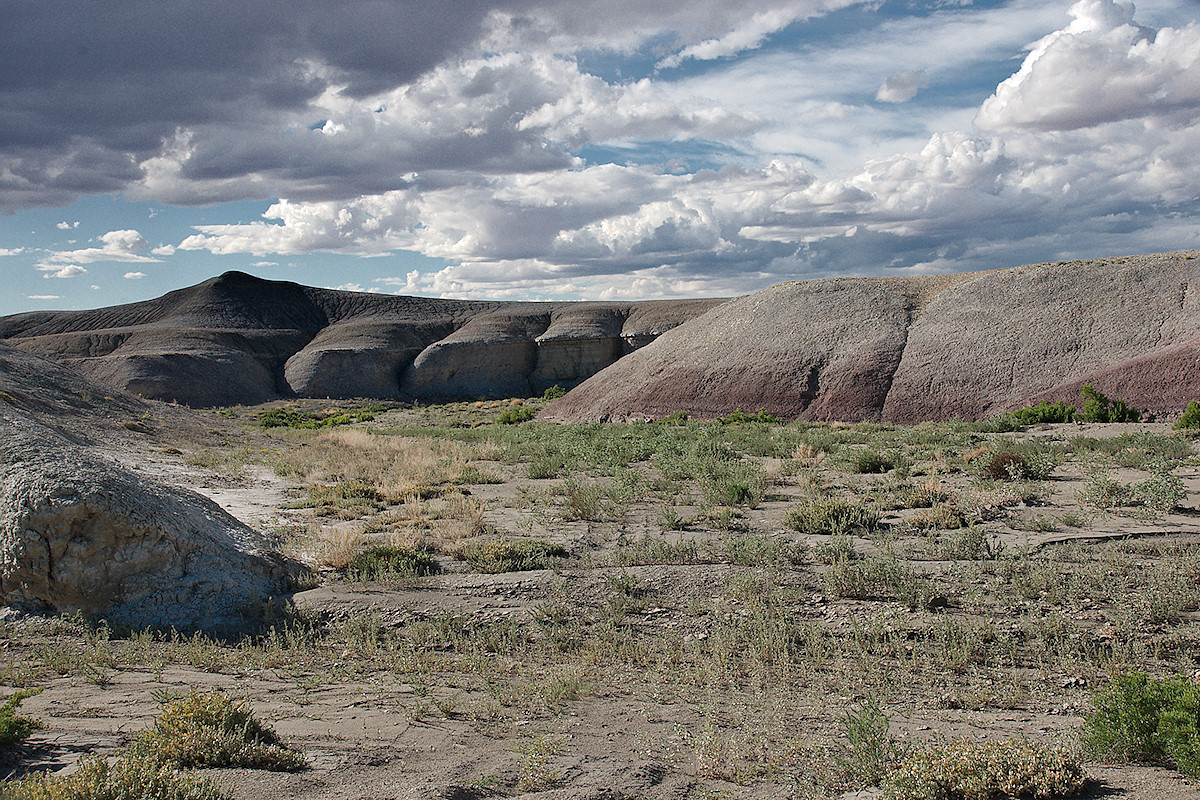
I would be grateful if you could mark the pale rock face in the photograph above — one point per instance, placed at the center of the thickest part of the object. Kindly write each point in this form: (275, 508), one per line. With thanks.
(81, 534)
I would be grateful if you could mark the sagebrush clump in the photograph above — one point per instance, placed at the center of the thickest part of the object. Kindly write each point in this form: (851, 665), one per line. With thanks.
(208, 729)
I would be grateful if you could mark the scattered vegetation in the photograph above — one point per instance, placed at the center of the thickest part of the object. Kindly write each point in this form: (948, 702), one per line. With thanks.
(784, 582)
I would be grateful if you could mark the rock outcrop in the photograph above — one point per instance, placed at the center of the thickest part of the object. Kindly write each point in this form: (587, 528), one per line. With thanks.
(963, 346)
(237, 339)
(80, 533)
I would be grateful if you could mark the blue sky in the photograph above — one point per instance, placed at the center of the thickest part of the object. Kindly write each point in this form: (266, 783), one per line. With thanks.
(578, 150)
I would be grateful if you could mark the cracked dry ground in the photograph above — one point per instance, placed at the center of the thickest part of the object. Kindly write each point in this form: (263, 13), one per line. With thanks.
(655, 611)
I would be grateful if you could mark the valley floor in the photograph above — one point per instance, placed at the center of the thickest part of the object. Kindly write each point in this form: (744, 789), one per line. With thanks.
(688, 610)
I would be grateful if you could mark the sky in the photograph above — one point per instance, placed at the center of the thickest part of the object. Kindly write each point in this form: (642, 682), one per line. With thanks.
(576, 149)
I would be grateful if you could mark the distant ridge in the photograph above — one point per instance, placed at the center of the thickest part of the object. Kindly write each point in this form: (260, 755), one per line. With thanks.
(963, 346)
(239, 339)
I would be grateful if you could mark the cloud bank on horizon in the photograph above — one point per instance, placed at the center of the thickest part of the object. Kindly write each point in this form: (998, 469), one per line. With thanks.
(572, 148)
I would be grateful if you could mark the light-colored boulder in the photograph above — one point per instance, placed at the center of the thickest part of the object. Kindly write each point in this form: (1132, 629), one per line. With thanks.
(79, 533)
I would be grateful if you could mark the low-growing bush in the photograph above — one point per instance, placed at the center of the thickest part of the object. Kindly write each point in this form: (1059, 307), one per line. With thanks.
(741, 417)
(1190, 419)
(208, 729)
(1043, 413)
(382, 561)
(1143, 720)
(553, 392)
(507, 555)
(517, 415)
(969, 770)
(830, 516)
(13, 726)
(130, 776)
(288, 417)
(867, 462)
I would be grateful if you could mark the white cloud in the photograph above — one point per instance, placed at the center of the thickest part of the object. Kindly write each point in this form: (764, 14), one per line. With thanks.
(134, 276)
(749, 35)
(11, 252)
(120, 246)
(66, 226)
(64, 271)
(43, 297)
(1101, 68)
(163, 250)
(902, 87)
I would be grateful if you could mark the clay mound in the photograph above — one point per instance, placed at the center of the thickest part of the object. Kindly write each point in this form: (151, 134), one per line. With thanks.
(237, 339)
(962, 346)
(80, 533)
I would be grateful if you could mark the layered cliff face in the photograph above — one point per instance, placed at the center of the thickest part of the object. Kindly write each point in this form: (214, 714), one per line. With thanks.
(963, 346)
(237, 339)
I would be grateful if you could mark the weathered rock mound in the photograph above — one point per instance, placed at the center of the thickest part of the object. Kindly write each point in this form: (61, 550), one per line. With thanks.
(239, 339)
(79, 533)
(961, 346)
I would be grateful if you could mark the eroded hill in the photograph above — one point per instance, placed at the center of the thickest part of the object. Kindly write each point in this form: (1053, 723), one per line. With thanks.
(237, 339)
(963, 346)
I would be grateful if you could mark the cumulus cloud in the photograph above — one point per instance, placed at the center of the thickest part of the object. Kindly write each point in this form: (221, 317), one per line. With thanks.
(1101, 68)
(902, 87)
(134, 276)
(11, 251)
(66, 226)
(122, 245)
(43, 297)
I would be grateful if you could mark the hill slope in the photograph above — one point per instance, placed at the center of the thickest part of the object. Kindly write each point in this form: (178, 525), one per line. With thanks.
(237, 339)
(923, 348)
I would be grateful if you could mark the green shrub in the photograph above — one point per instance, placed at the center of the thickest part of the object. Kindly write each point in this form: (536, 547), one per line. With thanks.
(207, 729)
(741, 417)
(968, 770)
(1098, 408)
(131, 776)
(1043, 413)
(1190, 420)
(517, 415)
(868, 461)
(288, 417)
(869, 754)
(506, 555)
(675, 418)
(554, 392)
(830, 516)
(1141, 719)
(381, 561)
(13, 726)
